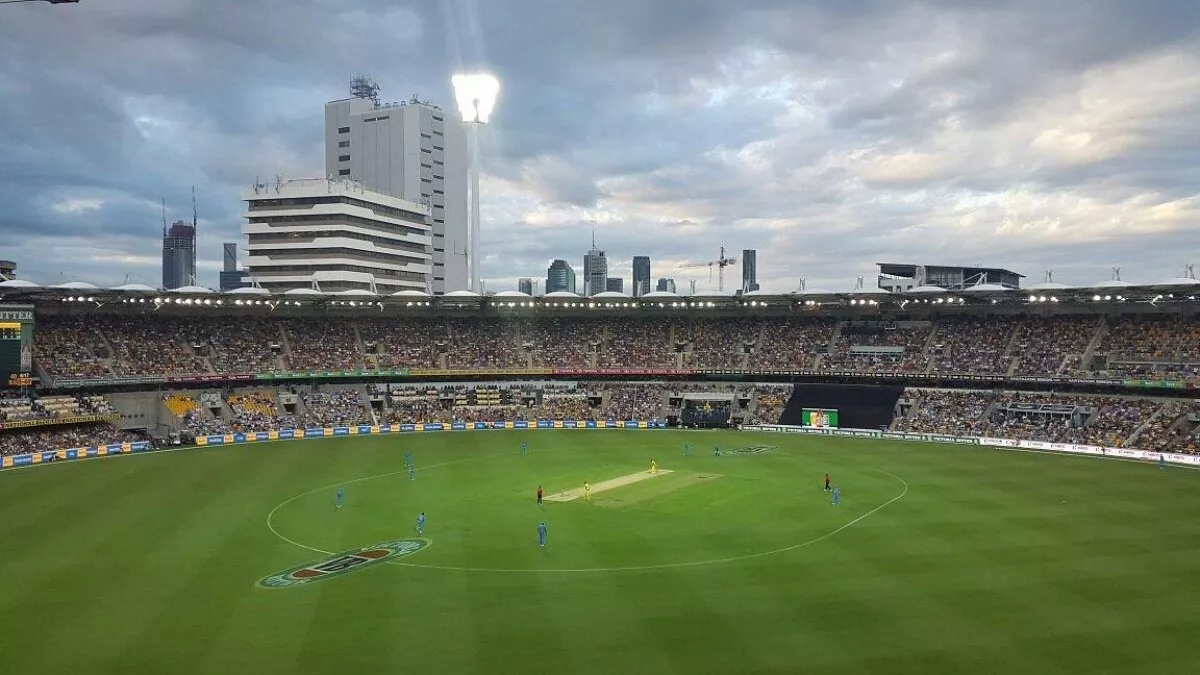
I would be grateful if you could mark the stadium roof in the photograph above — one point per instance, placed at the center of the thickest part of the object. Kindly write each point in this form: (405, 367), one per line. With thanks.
(1178, 289)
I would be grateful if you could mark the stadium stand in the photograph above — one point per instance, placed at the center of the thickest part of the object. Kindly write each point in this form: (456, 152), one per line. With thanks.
(1156, 347)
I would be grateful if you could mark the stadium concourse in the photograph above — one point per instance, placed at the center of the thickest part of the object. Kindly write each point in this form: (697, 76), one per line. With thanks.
(116, 369)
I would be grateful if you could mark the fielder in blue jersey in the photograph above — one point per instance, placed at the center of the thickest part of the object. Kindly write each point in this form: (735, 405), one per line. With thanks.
(338, 499)
(408, 460)
(524, 447)
(687, 449)
(716, 451)
(421, 523)
(542, 532)
(412, 472)
(836, 496)
(1162, 461)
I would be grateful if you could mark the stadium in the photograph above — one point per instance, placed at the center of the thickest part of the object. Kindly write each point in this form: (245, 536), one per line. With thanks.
(1011, 466)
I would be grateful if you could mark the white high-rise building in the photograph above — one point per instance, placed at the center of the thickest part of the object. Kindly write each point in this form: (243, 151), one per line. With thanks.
(413, 151)
(338, 234)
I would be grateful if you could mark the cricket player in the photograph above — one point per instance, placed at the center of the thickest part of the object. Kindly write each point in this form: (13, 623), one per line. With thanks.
(539, 497)
(687, 449)
(421, 523)
(653, 467)
(542, 532)
(716, 451)
(408, 460)
(836, 496)
(827, 488)
(524, 447)
(587, 491)
(1162, 461)
(338, 499)
(412, 472)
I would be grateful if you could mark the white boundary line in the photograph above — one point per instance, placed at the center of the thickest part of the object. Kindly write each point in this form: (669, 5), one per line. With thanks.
(587, 570)
(271, 515)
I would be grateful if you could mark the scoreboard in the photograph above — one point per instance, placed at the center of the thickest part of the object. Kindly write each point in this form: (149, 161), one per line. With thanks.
(16, 346)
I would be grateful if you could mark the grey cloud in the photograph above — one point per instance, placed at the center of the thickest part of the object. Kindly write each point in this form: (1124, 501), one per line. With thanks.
(671, 126)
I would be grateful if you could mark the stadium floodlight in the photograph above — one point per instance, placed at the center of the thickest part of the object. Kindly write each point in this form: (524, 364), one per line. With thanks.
(475, 94)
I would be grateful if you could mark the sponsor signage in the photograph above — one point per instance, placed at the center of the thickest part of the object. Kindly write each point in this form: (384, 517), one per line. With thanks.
(1071, 448)
(343, 563)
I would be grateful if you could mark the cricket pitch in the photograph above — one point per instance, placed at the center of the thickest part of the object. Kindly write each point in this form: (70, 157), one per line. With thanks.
(604, 486)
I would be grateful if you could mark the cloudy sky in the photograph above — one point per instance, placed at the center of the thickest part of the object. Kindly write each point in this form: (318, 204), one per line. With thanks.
(827, 134)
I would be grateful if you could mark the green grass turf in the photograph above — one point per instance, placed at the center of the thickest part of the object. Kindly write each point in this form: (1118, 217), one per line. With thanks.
(991, 562)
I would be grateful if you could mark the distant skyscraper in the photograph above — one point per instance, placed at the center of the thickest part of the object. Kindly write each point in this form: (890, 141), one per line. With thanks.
(641, 275)
(178, 255)
(614, 285)
(560, 277)
(665, 286)
(749, 270)
(525, 285)
(595, 270)
(231, 278)
(410, 151)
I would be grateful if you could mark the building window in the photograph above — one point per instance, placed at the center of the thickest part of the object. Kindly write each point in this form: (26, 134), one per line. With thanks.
(426, 166)
(426, 180)
(438, 162)
(343, 144)
(439, 147)
(426, 136)
(439, 250)
(343, 172)
(439, 236)
(438, 192)
(439, 264)
(439, 278)
(437, 119)
(427, 151)
(343, 158)
(438, 133)
(343, 130)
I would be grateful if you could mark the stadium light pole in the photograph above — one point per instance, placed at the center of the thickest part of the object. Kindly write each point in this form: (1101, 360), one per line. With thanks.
(475, 94)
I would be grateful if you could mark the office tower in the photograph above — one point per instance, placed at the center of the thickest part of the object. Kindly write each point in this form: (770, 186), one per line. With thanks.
(641, 275)
(749, 270)
(560, 277)
(410, 151)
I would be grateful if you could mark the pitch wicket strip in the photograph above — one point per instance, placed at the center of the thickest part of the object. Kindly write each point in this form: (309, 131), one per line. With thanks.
(604, 486)
(579, 570)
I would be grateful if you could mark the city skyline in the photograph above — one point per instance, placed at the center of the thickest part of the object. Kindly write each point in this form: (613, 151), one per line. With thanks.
(1032, 137)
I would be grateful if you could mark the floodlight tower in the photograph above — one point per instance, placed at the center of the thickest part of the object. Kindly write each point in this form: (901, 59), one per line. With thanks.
(475, 94)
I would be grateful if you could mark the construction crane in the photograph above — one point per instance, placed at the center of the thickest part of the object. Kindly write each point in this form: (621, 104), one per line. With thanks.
(720, 264)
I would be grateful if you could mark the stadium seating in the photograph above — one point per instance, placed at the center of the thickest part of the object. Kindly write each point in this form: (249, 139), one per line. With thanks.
(1154, 347)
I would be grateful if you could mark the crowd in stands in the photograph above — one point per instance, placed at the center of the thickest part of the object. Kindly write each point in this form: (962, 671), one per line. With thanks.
(69, 347)
(1107, 421)
(407, 343)
(721, 344)
(640, 343)
(334, 407)
(41, 439)
(909, 341)
(479, 344)
(975, 345)
(1175, 429)
(791, 344)
(18, 405)
(1152, 347)
(317, 345)
(1046, 345)
(157, 347)
(239, 346)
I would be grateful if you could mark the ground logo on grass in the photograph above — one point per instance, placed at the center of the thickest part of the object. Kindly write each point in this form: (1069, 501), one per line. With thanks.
(343, 563)
(750, 450)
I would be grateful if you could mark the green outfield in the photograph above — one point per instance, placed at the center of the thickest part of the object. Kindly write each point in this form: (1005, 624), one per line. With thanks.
(940, 559)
